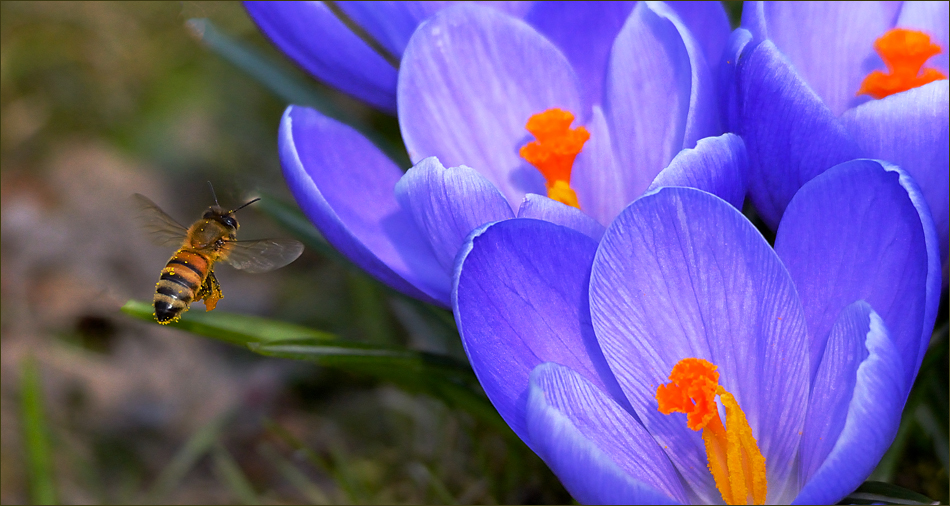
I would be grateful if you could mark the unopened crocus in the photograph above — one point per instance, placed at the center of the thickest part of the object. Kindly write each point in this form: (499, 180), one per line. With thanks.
(684, 360)
(500, 123)
(319, 37)
(812, 84)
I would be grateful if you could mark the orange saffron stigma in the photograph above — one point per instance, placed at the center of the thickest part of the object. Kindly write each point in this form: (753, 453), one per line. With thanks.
(904, 52)
(733, 456)
(554, 151)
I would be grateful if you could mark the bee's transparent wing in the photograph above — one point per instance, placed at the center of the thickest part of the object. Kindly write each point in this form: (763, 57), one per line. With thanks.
(162, 229)
(263, 255)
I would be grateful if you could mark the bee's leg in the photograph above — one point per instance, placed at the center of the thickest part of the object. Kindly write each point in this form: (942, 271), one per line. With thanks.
(210, 292)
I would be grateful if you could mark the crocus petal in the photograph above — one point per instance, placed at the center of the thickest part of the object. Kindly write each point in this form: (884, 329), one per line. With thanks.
(585, 32)
(877, 244)
(857, 330)
(647, 89)
(702, 117)
(656, 98)
(790, 135)
(333, 171)
(603, 190)
(312, 36)
(931, 18)
(664, 288)
(717, 165)
(728, 97)
(470, 79)
(391, 23)
(708, 23)
(910, 130)
(520, 299)
(540, 207)
(599, 451)
(753, 20)
(448, 204)
(873, 406)
(831, 44)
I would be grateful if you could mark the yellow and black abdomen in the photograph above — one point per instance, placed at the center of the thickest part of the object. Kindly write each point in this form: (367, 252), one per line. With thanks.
(182, 277)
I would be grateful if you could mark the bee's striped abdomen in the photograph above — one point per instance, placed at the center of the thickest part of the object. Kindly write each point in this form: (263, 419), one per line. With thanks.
(182, 276)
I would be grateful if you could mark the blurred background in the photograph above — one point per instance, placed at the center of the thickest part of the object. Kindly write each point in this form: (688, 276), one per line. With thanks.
(103, 100)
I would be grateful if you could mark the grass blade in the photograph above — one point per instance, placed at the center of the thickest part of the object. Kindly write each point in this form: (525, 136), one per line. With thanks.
(36, 435)
(442, 376)
(369, 358)
(343, 481)
(230, 327)
(310, 490)
(230, 473)
(276, 77)
(196, 447)
(446, 378)
(876, 492)
(286, 84)
(424, 477)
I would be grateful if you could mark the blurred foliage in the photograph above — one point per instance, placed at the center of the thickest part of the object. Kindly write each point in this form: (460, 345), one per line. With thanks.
(134, 83)
(129, 73)
(189, 92)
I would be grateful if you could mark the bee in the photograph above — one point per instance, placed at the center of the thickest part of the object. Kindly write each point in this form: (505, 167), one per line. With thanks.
(188, 275)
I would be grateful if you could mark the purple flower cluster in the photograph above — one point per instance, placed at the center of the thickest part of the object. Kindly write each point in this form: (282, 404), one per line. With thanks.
(573, 316)
(795, 69)
(469, 79)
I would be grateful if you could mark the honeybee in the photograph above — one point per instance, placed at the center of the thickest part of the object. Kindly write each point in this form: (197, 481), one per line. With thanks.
(188, 275)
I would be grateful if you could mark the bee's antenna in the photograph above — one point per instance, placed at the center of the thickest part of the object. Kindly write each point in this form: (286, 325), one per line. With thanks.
(245, 205)
(215, 196)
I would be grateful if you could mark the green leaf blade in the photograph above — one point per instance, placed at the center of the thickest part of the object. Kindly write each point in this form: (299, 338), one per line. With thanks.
(442, 376)
(877, 492)
(39, 454)
(231, 328)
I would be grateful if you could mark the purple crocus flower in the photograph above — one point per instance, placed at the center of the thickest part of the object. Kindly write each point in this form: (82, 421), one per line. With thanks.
(816, 342)
(795, 70)
(318, 40)
(470, 79)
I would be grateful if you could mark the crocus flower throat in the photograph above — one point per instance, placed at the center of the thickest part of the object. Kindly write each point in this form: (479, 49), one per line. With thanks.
(904, 52)
(554, 151)
(735, 461)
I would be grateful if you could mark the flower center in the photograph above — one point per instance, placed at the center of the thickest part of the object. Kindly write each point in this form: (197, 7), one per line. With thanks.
(904, 52)
(554, 151)
(734, 458)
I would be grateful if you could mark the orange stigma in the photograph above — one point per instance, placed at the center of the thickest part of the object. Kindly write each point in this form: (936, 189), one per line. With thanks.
(904, 52)
(733, 456)
(554, 151)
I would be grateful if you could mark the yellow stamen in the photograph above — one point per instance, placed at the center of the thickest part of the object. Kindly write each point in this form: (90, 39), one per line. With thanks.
(734, 459)
(562, 192)
(905, 52)
(554, 151)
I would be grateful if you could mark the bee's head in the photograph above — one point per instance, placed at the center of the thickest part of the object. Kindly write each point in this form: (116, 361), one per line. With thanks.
(222, 216)
(225, 217)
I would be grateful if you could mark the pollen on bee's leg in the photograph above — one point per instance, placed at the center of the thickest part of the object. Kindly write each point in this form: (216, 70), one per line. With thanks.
(554, 151)
(210, 302)
(905, 52)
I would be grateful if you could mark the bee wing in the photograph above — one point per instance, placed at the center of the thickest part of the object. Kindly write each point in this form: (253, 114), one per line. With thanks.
(163, 230)
(263, 255)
